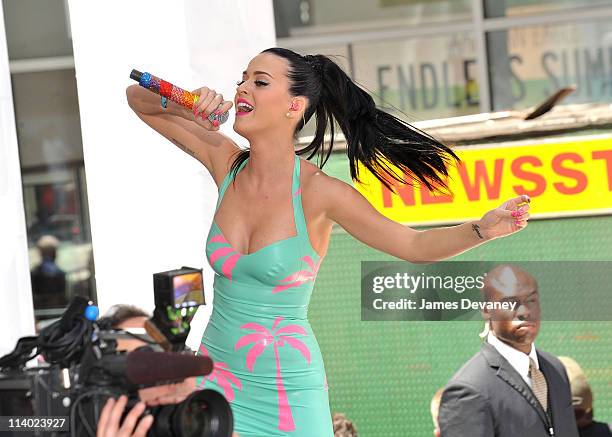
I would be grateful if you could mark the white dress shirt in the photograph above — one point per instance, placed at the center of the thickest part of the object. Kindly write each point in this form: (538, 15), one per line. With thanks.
(516, 358)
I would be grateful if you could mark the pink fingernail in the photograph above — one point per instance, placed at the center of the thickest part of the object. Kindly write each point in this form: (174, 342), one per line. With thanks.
(521, 210)
(513, 213)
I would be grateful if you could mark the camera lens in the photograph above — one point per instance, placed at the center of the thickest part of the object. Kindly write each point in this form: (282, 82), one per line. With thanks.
(205, 413)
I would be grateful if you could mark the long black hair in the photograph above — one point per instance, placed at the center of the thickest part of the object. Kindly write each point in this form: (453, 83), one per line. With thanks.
(377, 139)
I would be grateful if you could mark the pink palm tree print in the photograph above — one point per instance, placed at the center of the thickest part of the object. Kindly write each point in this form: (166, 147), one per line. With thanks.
(262, 338)
(223, 377)
(230, 262)
(301, 276)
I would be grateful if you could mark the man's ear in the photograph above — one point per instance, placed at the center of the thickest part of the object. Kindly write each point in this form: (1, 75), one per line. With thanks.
(486, 315)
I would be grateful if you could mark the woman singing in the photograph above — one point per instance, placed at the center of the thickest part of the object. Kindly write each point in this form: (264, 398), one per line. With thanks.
(273, 220)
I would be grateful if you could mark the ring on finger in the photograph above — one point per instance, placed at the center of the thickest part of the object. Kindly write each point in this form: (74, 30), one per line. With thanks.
(219, 105)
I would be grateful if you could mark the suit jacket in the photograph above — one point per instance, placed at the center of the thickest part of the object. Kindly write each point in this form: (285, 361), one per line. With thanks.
(488, 397)
(596, 429)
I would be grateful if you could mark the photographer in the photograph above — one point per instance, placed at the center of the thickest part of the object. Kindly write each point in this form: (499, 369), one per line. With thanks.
(125, 317)
(109, 424)
(128, 316)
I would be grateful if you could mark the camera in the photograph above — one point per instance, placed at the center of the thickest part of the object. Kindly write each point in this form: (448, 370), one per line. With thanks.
(82, 367)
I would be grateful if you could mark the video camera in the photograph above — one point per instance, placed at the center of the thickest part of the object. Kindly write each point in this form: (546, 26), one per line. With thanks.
(82, 367)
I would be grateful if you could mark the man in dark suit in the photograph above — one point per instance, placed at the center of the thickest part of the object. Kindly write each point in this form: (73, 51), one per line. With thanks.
(509, 388)
(48, 280)
(582, 397)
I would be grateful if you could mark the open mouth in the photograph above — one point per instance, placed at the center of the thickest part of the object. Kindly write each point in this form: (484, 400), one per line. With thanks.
(243, 108)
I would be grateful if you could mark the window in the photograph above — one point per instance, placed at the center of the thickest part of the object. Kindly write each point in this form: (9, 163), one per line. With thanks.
(527, 64)
(36, 29)
(308, 17)
(433, 59)
(510, 8)
(50, 152)
(420, 77)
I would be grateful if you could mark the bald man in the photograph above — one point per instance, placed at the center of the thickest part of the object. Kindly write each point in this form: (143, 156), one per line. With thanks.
(509, 388)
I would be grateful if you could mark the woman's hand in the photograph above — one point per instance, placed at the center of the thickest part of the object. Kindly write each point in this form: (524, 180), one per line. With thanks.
(109, 426)
(208, 102)
(508, 218)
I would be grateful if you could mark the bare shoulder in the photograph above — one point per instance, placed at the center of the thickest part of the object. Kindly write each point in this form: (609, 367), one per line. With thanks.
(313, 178)
(336, 201)
(321, 188)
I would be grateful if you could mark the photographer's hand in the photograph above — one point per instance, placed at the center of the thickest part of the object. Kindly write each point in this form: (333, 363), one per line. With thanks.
(108, 425)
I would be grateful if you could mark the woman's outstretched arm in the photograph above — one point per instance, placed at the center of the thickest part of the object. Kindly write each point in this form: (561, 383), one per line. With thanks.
(346, 206)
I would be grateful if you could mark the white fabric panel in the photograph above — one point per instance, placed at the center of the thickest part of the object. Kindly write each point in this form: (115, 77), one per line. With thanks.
(16, 309)
(151, 205)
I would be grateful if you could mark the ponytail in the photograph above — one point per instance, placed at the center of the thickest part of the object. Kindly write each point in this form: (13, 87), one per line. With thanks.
(377, 139)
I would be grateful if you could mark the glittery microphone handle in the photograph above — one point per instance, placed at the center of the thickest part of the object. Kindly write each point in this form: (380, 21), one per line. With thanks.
(172, 92)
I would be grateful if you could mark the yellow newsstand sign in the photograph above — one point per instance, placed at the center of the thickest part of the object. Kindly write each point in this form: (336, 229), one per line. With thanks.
(567, 177)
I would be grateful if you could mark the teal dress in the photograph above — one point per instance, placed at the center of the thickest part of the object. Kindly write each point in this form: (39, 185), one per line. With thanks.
(267, 359)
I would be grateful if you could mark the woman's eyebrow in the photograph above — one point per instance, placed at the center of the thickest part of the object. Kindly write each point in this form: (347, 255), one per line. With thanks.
(244, 73)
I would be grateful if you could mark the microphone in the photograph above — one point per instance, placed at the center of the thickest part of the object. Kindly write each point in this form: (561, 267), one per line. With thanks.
(151, 368)
(172, 92)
